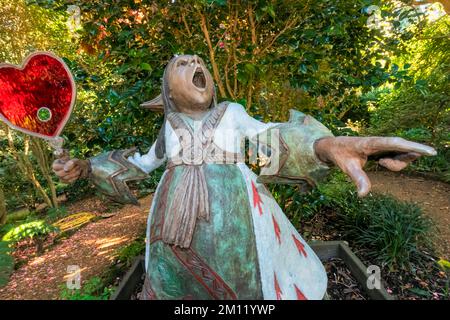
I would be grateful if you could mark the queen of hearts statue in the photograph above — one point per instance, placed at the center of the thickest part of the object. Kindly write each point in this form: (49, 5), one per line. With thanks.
(214, 230)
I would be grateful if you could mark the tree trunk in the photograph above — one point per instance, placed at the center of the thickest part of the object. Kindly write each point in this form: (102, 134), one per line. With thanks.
(215, 68)
(44, 165)
(25, 165)
(39, 246)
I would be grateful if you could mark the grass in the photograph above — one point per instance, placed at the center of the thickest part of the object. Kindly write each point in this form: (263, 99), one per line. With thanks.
(382, 230)
(92, 289)
(389, 232)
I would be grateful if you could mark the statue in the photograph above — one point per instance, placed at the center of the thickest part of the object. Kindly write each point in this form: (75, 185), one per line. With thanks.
(214, 230)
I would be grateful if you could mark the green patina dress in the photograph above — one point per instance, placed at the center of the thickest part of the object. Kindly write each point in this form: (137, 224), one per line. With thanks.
(242, 246)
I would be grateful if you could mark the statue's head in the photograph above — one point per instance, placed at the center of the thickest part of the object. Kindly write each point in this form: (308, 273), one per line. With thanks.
(188, 85)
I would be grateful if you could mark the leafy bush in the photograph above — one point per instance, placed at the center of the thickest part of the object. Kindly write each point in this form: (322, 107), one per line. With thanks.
(298, 205)
(438, 166)
(417, 107)
(129, 253)
(56, 213)
(93, 289)
(77, 190)
(6, 263)
(29, 230)
(388, 231)
(383, 229)
(37, 231)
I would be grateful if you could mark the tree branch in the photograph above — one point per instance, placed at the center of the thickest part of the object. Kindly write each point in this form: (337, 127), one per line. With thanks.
(212, 57)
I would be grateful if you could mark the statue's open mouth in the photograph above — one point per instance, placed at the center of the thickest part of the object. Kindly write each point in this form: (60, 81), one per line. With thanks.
(199, 79)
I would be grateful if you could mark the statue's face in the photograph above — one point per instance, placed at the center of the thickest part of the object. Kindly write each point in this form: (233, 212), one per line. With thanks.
(191, 86)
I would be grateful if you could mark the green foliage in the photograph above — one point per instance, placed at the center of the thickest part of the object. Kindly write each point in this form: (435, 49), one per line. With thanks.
(6, 263)
(101, 287)
(391, 232)
(385, 230)
(128, 254)
(298, 205)
(93, 289)
(271, 56)
(26, 27)
(29, 230)
(418, 107)
(438, 166)
(54, 214)
(18, 191)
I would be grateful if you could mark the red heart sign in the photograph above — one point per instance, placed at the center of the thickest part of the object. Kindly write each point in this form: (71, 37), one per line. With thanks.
(37, 97)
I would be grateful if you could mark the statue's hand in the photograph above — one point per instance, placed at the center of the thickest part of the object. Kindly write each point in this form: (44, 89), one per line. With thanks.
(350, 155)
(70, 170)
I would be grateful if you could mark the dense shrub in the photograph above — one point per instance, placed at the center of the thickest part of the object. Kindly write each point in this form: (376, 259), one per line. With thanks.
(390, 232)
(54, 214)
(6, 263)
(37, 231)
(385, 230)
(417, 107)
(29, 230)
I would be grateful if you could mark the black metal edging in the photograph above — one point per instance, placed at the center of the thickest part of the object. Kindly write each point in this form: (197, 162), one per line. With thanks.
(130, 281)
(325, 250)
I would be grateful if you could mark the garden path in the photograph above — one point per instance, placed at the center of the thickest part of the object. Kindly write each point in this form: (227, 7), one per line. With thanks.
(92, 248)
(433, 196)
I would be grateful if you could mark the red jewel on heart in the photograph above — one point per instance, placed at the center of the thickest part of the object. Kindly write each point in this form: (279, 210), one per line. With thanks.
(37, 98)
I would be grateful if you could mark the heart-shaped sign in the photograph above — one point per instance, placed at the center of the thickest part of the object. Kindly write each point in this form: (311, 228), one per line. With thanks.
(37, 98)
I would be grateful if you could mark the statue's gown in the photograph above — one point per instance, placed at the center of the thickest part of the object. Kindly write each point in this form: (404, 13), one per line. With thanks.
(247, 248)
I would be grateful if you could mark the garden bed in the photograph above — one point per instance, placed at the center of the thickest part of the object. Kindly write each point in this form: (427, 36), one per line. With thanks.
(342, 285)
(338, 259)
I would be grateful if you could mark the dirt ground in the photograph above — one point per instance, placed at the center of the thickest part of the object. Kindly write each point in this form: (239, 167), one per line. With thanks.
(432, 196)
(92, 248)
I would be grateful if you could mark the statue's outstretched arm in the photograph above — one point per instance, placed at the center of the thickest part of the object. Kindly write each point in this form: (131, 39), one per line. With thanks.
(110, 171)
(286, 149)
(290, 148)
(350, 154)
(302, 149)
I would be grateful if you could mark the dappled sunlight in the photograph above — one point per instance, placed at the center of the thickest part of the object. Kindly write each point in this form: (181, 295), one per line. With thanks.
(37, 261)
(360, 68)
(71, 275)
(92, 248)
(109, 242)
